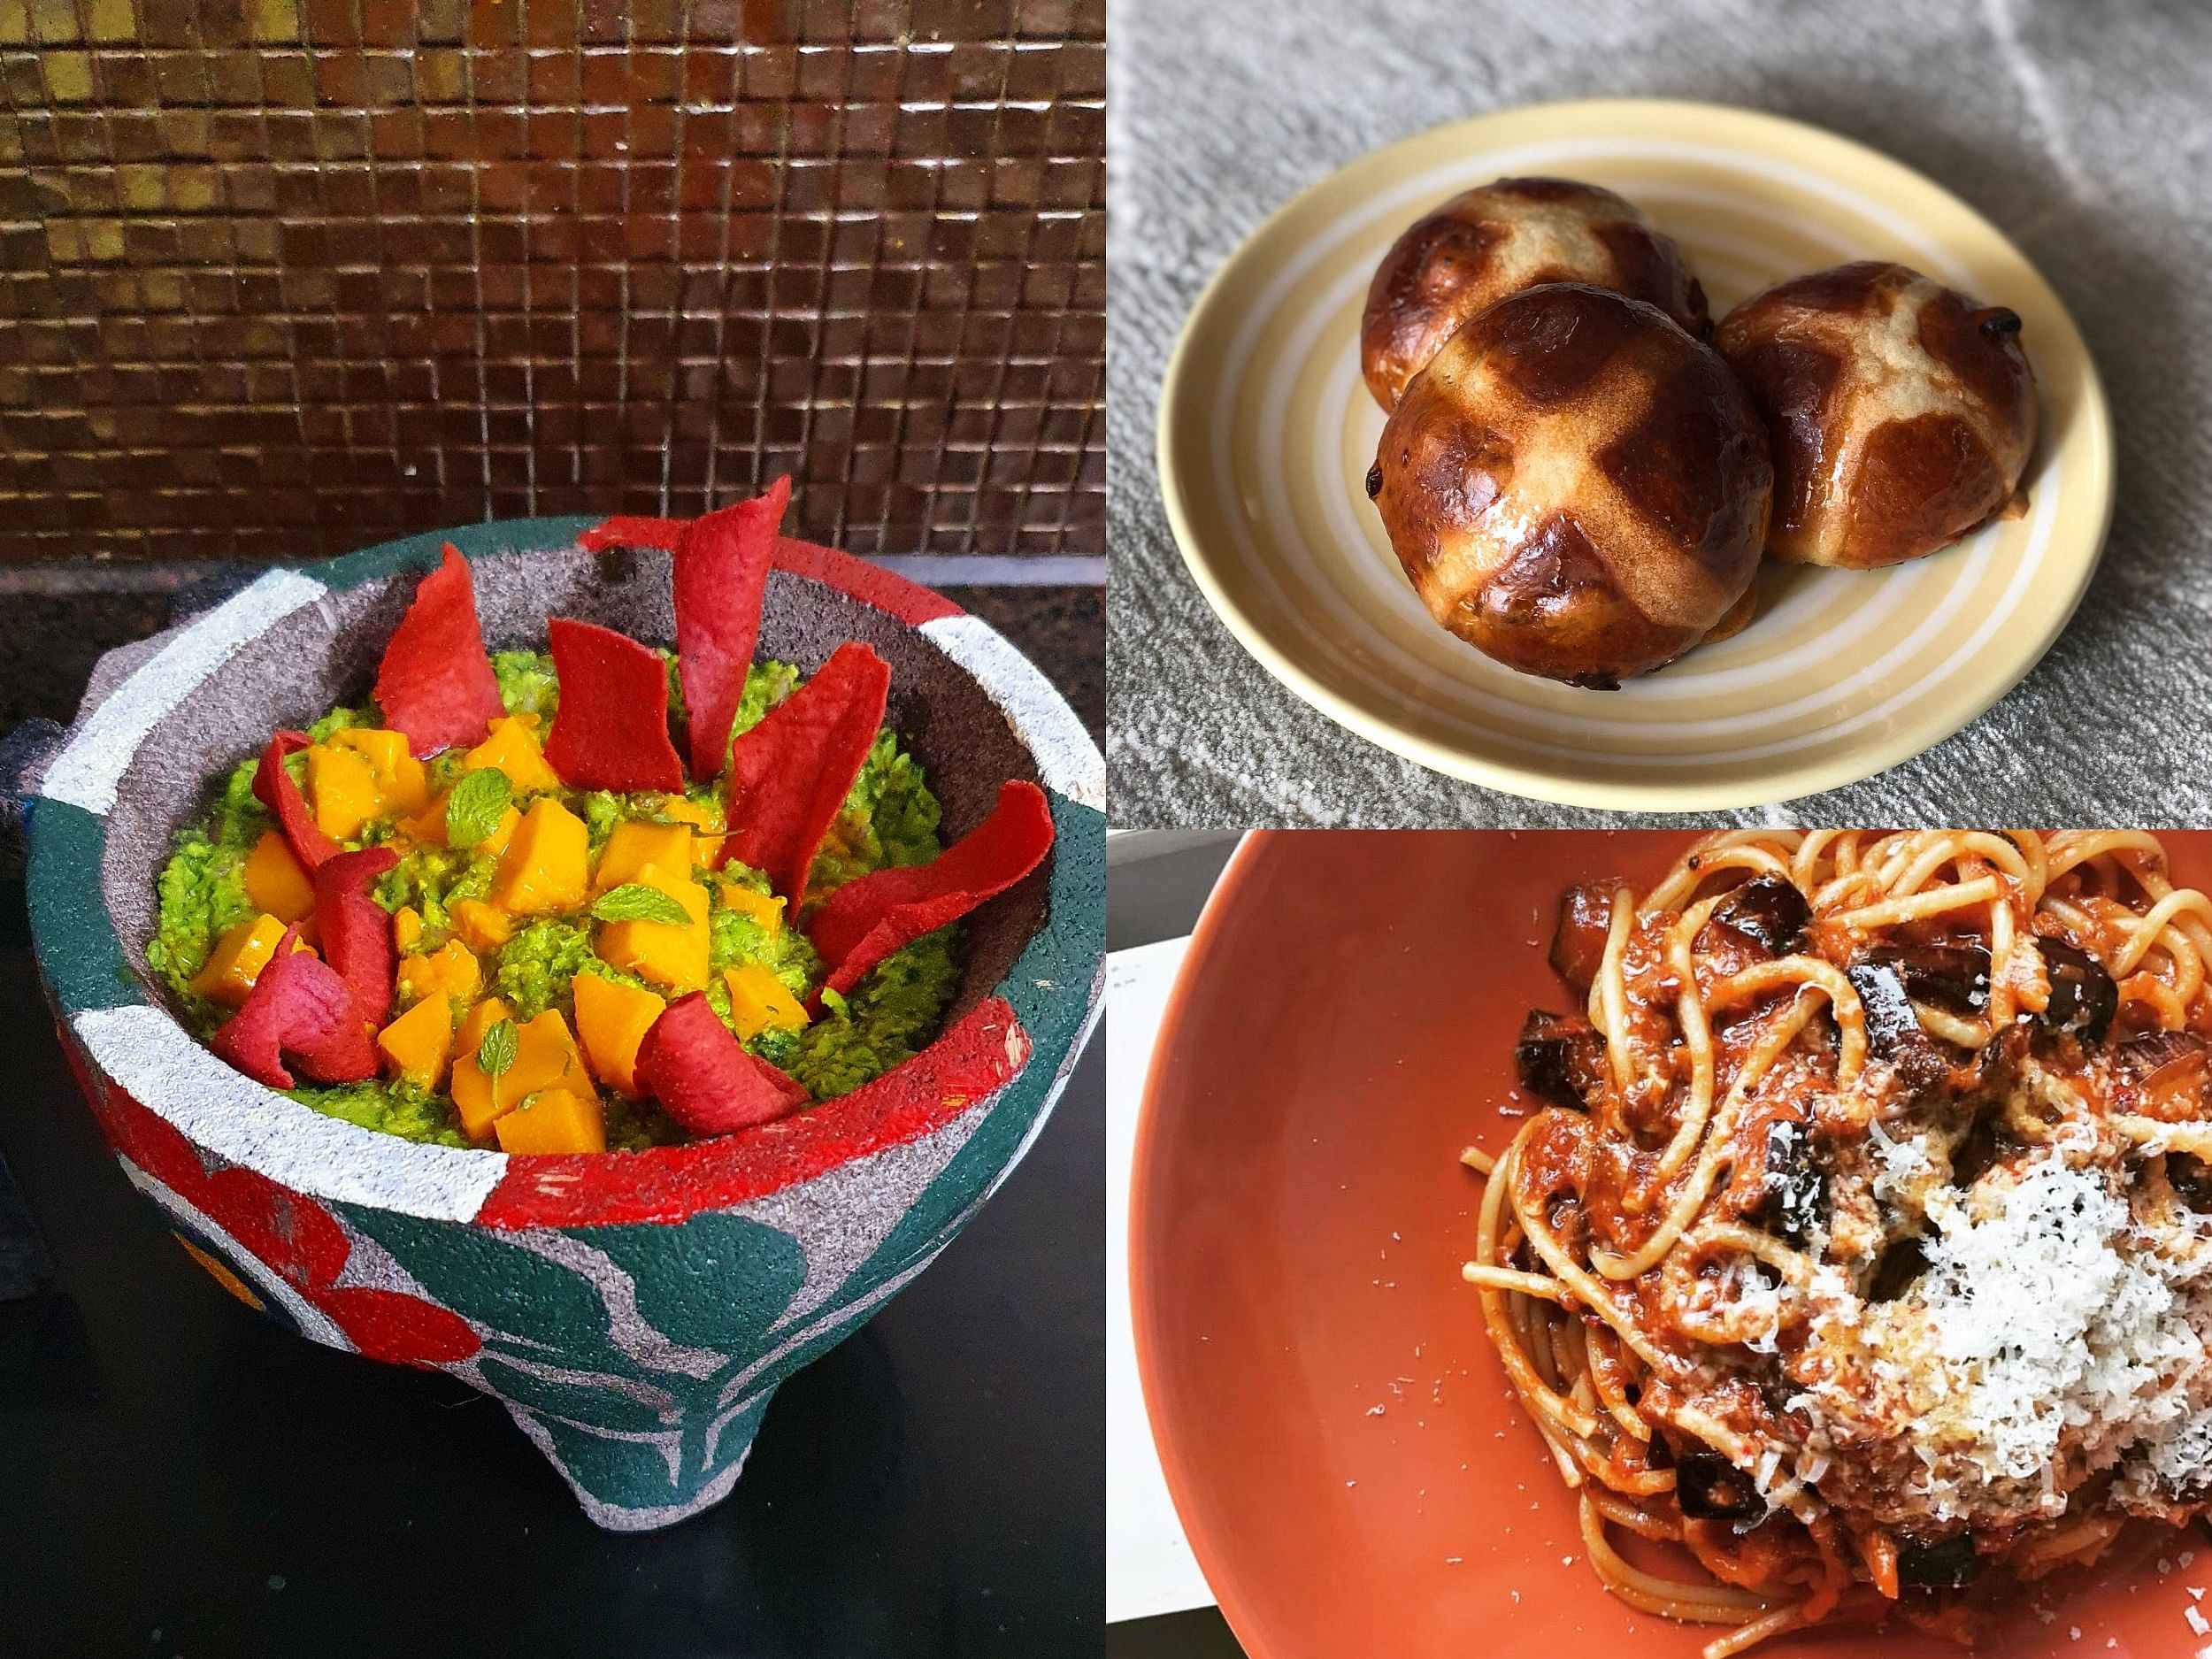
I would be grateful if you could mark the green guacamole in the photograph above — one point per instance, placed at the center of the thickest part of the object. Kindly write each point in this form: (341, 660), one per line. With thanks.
(889, 818)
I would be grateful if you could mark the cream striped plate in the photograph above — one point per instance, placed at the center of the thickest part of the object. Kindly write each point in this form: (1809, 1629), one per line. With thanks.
(1266, 434)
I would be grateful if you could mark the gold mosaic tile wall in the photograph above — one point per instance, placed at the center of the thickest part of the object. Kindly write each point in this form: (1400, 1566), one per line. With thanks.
(282, 278)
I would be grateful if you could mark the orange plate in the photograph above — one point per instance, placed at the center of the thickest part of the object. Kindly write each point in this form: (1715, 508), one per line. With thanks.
(1355, 1476)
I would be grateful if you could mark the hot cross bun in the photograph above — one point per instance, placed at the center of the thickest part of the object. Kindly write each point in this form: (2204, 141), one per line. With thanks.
(1900, 412)
(1575, 486)
(1486, 243)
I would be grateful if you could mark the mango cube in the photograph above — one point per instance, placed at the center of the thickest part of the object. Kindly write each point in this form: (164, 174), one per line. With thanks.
(666, 954)
(767, 908)
(406, 928)
(706, 819)
(612, 1018)
(275, 882)
(399, 775)
(545, 1057)
(635, 848)
(414, 1045)
(545, 868)
(237, 959)
(554, 1120)
(342, 786)
(759, 1000)
(450, 970)
(480, 925)
(513, 747)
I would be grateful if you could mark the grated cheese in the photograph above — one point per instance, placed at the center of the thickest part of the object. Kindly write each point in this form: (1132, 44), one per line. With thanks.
(1900, 1165)
(2045, 1326)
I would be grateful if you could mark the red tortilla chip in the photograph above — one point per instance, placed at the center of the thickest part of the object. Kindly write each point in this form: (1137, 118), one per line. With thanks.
(622, 531)
(865, 921)
(704, 1077)
(273, 787)
(299, 1006)
(790, 774)
(356, 930)
(721, 569)
(610, 731)
(435, 683)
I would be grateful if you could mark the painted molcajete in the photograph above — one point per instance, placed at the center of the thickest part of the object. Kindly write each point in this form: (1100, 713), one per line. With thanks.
(634, 1311)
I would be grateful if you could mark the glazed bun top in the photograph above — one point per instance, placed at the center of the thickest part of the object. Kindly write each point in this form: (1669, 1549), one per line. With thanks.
(1514, 233)
(1900, 413)
(1575, 486)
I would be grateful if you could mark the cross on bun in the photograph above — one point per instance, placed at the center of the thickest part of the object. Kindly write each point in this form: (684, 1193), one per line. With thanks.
(1900, 412)
(1575, 486)
(1512, 234)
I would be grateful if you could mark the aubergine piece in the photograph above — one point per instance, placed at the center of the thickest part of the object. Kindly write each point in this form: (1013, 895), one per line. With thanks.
(2158, 1052)
(1901, 1264)
(1977, 1150)
(1708, 1488)
(1768, 911)
(1949, 1565)
(1951, 977)
(1559, 1057)
(2192, 1181)
(1893, 1030)
(1794, 1205)
(2169, 1073)
(2083, 996)
(1578, 943)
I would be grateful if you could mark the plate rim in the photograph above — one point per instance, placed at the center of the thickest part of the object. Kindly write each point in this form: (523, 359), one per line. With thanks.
(1912, 736)
(1263, 1627)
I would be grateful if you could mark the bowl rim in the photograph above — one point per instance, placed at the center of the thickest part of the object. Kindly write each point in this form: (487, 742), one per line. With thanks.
(1038, 1013)
(1178, 407)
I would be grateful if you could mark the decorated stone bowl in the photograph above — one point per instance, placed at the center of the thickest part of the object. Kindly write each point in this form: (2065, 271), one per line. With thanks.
(632, 1311)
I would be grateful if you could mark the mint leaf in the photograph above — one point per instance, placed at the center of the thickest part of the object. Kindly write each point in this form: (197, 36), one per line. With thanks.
(496, 1052)
(473, 809)
(635, 901)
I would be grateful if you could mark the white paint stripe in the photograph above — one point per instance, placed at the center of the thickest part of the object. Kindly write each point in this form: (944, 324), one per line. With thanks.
(316, 1324)
(154, 1060)
(86, 772)
(606, 1514)
(851, 1312)
(627, 1328)
(843, 1215)
(1067, 761)
(654, 1398)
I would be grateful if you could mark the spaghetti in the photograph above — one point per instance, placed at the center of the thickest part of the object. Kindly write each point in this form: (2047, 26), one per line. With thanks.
(1863, 1244)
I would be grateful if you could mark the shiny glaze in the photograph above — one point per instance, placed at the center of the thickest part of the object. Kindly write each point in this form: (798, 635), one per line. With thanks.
(1900, 412)
(1575, 487)
(1514, 233)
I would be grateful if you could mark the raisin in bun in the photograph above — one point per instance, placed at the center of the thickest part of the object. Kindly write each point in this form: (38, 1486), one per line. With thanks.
(1486, 243)
(1900, 412)
(1575, 486)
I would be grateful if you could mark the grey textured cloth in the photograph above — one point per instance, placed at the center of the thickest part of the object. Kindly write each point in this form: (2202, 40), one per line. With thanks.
(2083, 129)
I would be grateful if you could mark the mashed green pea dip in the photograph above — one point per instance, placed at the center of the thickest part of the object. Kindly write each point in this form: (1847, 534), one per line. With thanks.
(889, 818)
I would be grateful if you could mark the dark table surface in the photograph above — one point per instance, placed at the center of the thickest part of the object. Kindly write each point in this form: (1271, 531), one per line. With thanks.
(179, 1479)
